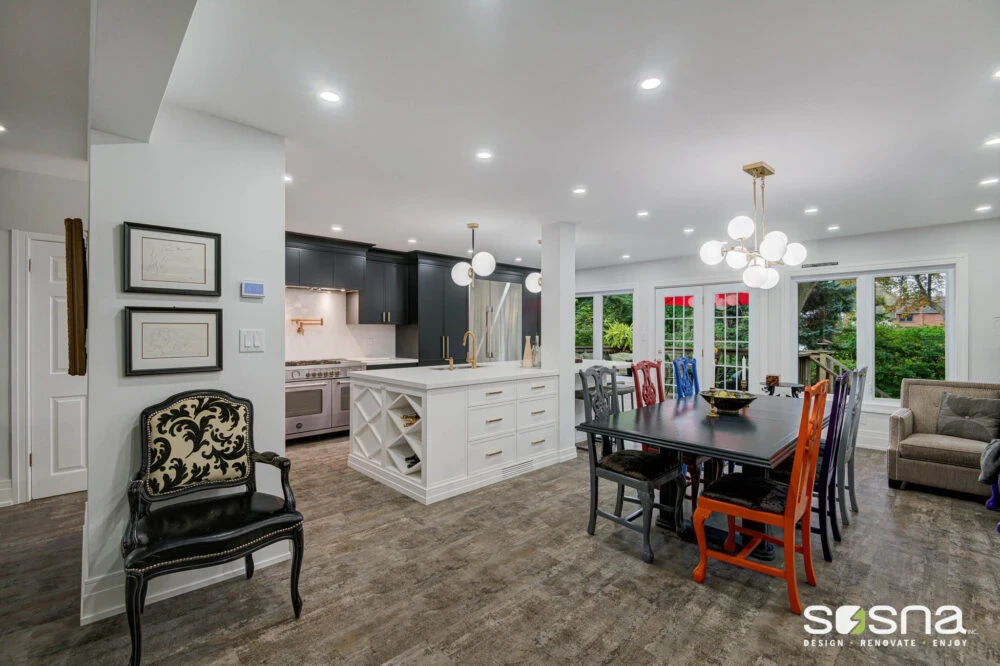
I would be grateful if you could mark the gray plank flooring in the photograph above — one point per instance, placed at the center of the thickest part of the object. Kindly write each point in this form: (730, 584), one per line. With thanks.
(506, 574)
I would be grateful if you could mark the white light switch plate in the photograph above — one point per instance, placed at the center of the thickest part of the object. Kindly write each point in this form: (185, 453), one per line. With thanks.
(251, 340)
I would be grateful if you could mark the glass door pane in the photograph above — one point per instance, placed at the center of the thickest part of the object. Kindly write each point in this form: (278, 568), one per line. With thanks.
(728, 337)
(678, 329)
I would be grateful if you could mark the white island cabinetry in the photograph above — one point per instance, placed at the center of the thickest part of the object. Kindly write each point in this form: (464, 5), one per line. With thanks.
(433, 433)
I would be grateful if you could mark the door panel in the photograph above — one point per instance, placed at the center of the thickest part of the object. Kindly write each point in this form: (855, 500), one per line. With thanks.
(456, 316)
(316, 268)
(394, 291)
(371, 308)
(679, 330)
(292, 266)
(348, 271)
(430, 312)
(57, 425)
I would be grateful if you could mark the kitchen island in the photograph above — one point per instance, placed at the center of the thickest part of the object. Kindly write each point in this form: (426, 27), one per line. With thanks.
(433, 433)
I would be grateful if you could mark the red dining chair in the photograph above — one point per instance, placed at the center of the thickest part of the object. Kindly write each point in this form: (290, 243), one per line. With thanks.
(648, 391)
(770, 502)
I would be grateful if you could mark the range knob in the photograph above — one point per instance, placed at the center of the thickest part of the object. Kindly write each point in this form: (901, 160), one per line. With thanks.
(310, 374)
(296, 374)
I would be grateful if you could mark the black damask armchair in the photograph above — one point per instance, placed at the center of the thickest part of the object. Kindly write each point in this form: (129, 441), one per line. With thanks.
(191, 442)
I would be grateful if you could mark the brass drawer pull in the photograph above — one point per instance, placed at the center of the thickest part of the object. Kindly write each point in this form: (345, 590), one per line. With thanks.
(535, 388)
(537, 412)
(494, 392)
(494, 453)
(538, 441)
(497, 420)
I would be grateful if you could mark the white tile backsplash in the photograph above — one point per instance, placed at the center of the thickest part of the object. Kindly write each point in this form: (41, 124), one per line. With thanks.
(335, 338)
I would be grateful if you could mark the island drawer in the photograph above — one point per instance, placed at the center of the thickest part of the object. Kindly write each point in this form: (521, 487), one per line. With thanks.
(534, 442)
(531, 413)
(530, 388)
(491, 420)
(486, 394)
(497, 452)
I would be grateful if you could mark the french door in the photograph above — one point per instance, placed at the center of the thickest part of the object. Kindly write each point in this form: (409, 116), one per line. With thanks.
(717, 325)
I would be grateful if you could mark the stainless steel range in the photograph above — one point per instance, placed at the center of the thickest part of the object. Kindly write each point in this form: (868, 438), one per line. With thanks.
(318, 396)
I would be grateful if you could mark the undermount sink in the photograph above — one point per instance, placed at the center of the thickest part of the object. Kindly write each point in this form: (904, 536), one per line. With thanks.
(463, 366)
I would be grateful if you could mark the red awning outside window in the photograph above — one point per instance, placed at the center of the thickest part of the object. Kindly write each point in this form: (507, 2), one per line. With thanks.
(721, 300)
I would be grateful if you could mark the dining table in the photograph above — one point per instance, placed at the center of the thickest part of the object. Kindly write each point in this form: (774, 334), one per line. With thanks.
(759, 438)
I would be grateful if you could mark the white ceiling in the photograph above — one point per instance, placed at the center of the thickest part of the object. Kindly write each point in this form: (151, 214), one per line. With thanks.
(44, 57)
(876, 112)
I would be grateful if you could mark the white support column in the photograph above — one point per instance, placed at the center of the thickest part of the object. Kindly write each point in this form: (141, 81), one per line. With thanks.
(558, 299)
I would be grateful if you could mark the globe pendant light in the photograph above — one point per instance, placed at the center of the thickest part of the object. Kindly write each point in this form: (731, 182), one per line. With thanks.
(483, 263)
(773, 249)
(533, 282)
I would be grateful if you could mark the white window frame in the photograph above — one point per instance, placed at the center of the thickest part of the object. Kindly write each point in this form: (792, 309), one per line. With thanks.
(598, 296)
(956, 315)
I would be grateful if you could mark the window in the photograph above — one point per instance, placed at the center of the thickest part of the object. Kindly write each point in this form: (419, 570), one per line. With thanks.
(584, 327)
(896, 323)
(604, 326)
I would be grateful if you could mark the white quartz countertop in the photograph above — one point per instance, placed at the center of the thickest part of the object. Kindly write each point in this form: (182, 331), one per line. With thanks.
(438, 376)
(382, 360)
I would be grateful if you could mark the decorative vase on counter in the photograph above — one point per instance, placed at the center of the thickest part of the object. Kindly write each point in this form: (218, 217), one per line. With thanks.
(536, 353)
(527, 360)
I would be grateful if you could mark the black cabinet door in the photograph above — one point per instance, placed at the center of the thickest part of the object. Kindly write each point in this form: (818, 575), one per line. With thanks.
(292, 266)
(349, 271)
(371, 306)
(430, 312)
(394, 293)
(316, 268)
(456, 316)
(531, 314)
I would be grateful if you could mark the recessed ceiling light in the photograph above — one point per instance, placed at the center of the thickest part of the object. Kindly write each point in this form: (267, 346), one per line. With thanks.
(2, 129)
(650, 83)
(288, 178)
(329, 96)
(996, 74)
(995, 141)
(811, 210)
(579, 190)
(411, 240)
(642, 213)
(518, 259)
(984, 209)
(833, 227)
(336, 227)
(626, 256)
(989, 181)
(469, 251)
(484, 155)
(689, 230)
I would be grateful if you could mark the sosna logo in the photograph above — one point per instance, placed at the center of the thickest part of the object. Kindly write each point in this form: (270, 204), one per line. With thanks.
(915, 620)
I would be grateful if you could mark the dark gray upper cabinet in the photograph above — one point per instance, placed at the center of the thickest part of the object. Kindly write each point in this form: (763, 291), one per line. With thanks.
(384, 298)
(325, 263)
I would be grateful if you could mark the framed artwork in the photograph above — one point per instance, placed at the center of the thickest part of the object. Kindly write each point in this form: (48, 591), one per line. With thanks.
(162, 341)
(164, 260)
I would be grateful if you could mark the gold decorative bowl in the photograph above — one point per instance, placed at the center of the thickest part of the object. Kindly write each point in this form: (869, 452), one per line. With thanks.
(728, 402)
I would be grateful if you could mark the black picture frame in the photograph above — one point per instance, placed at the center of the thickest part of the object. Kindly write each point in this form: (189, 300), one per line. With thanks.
(132, 371)
(130, 285)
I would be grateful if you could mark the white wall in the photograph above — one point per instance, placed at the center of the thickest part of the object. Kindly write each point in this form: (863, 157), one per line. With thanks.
(978, 241)
(335, 338)
(28, 202)
(196, 172)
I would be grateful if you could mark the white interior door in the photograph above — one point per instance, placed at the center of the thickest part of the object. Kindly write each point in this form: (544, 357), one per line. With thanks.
(679, 329)
(57, 424)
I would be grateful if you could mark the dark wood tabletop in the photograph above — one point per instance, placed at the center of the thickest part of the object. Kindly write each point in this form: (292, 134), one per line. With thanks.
(763, 435)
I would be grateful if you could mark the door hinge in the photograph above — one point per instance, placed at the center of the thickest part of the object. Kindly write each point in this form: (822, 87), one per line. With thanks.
(31, 459)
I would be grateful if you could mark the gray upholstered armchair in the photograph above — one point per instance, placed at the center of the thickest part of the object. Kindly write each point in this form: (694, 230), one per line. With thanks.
(918, 454)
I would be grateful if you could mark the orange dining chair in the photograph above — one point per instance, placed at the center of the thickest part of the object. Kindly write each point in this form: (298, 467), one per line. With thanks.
(771, 502)
(648, 391)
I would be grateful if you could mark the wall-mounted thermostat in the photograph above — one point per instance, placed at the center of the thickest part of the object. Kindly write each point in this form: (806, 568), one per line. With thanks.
(251, 289)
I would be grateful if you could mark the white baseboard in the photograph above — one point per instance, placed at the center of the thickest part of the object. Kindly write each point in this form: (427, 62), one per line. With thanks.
(6, 492)
(104, 596)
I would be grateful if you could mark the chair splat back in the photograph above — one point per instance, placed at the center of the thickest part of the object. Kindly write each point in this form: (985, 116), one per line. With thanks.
(195, 441)
(686, 377)
(800, 490)
(648, 390)
(600, 397)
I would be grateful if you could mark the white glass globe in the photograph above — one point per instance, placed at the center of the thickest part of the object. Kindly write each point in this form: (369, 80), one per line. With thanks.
(533, 282)
(794, 255)
(736, 259)
(483, 264)
(741, 227)
(773, 246)
(773, 276)
(711, 252)
(461, 274)
(754, 276)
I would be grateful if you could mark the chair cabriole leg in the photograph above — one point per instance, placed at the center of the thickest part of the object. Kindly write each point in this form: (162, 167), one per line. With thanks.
(297, 547)
(134, 585)
(699, 517)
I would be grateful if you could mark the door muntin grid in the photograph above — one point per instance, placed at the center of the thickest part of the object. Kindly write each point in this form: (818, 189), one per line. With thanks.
(731, 344)
(678, 335)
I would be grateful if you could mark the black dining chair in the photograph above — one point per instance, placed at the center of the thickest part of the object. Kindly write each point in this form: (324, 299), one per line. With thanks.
(845, 456)
(644, 471)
